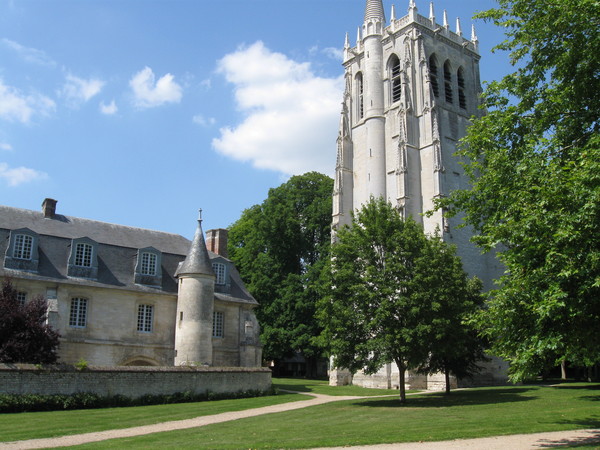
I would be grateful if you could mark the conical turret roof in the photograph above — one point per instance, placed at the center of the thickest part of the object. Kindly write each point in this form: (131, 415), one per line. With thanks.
(197, 261)
(374, 10)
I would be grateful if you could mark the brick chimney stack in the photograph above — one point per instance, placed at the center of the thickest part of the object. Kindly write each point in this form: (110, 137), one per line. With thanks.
(216, 241)
(49, 208)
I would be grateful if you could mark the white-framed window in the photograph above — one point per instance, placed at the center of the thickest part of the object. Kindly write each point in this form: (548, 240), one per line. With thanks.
(83, 254)
(217, 324)
(148, 264)
(219, 269)
(22, 298)
(23, 246)
(145, 317)
(78, 314)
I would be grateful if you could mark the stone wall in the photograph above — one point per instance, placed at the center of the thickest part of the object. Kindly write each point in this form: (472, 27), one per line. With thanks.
(130, 381)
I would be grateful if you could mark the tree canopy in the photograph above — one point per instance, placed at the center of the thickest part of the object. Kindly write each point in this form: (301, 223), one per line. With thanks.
(396, 295)
(280, 248)
(24, 335)
(534, 164)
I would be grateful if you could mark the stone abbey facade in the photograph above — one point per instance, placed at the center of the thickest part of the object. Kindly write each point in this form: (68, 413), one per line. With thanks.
(412, 86)
(129, 296)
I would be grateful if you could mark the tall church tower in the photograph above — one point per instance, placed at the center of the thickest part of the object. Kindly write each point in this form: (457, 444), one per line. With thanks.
(411, 86)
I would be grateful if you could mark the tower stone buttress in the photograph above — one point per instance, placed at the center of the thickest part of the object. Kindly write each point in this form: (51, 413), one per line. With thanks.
(195, 305)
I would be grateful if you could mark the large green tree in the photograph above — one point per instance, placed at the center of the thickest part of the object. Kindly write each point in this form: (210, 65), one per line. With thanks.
(534, 164)
(280, 248)
(394, 294)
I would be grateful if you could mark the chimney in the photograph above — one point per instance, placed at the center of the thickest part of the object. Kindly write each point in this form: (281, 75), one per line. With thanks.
(216, 241)
(49, 208)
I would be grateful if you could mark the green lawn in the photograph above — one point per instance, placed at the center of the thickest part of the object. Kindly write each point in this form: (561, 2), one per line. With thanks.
(322, 387)
(426, 417)
(429, 417)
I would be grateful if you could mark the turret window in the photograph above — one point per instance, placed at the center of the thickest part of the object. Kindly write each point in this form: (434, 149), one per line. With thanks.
(447, 82)
(359, 95)
(395, 79)
(433, 76)
(462, 99)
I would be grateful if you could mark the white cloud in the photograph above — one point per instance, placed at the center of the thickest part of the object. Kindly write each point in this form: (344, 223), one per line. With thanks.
(205, 122)
(28, 54)
(334, 53)
(5, 146)
(15, 105)
(292, 115)
(148, 93)
(78, 90)
(20, 175)
(109, 109)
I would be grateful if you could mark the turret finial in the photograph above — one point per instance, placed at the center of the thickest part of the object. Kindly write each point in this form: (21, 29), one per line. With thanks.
(200, 215)
(458, 27)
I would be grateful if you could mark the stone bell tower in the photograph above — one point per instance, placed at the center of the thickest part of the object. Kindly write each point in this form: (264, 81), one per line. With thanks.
(411, 87)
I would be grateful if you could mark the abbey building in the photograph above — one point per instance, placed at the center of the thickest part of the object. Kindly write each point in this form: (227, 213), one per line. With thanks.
(411, 86)
(129, 296)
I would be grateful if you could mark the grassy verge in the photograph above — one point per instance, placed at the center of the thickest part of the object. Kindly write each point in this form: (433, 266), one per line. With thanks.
(61, 423)
(463, 414)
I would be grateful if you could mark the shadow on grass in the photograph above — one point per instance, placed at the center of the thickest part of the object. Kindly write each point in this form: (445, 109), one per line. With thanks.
(591, 438)
(587, 387)
(456, 398)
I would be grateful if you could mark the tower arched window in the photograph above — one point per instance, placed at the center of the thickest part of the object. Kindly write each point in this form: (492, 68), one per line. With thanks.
(395, 79)
(359, 96)
(433, 75)
(448, 81)
(462, 99)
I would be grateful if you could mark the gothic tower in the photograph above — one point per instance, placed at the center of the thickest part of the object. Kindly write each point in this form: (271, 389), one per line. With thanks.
(411, 87)
(194, 327)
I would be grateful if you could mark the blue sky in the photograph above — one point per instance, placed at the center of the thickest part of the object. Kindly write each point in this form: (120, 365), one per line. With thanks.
(139, 112)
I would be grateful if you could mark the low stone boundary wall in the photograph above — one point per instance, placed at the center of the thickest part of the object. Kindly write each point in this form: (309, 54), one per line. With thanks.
(130, 381)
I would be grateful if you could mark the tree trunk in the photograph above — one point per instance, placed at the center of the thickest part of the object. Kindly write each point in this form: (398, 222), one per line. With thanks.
(402, 381)
(563, 370)
(447, 376)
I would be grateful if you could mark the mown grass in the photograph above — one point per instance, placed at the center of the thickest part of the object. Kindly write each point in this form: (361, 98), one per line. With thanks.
(322, 387)
(426, 417)
(61, 423)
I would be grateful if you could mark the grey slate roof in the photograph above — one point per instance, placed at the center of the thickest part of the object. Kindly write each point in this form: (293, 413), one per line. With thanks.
(197, 260)
(118, 247)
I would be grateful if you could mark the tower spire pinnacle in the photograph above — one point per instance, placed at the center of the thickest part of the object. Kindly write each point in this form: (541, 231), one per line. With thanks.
(458, 27)
(445, 19)
(431, 14)
(374, 11)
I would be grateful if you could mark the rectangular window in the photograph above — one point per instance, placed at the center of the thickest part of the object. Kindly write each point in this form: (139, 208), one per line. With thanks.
(83, 255)
(144, 321)
(219, 269)
(218, 324)
(148, 264)
(78, 314)
(21, 298)
(23, 246)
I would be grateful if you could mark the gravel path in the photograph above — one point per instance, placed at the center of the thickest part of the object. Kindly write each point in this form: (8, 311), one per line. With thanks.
(521, 441)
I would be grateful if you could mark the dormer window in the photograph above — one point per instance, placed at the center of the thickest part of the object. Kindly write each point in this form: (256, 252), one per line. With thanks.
(22, 251)
(219, 269)
(83, 255)
(148, 267)
(83, 260)
(23, 246)
(148, 264)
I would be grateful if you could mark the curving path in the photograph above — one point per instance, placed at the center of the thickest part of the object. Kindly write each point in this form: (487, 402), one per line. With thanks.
(522, 441)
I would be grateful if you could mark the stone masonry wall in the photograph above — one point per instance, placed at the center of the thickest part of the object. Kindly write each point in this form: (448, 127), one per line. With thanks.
(130, 381)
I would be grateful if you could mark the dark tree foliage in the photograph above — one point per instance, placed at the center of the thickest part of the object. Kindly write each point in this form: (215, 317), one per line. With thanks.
(24, 335)
(395, 294)
(534, 164)
(280, 248)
